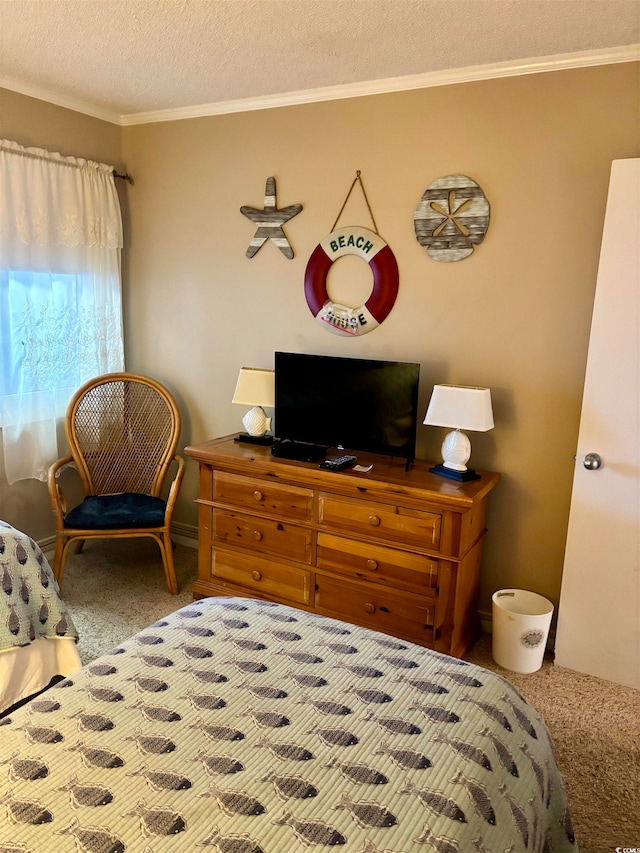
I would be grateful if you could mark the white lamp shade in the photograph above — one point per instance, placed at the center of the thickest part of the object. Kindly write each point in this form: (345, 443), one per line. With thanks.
(460, 407)
(255, 387)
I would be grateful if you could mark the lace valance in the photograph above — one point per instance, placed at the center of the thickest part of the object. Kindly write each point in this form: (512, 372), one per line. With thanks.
(73, 205)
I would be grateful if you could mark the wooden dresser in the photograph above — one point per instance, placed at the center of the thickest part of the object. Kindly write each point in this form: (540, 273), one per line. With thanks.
(394, 550)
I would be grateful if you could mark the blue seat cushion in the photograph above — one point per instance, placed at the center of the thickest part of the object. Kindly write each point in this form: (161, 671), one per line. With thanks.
(110, 512)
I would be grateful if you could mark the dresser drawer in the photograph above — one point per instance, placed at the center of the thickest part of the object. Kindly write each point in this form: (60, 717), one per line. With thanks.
(263, 497)
(384, 521)
(262, 535)
(365, 561)
(400, 614)
(260, 576)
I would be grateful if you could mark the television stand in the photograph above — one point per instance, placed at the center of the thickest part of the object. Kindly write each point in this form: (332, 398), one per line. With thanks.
(300, 451)
(390, 549)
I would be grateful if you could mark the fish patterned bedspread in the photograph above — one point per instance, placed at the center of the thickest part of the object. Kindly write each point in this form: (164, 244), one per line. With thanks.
(244, 726)
(30, 605)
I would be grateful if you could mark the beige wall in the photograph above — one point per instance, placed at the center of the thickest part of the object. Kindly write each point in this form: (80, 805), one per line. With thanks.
(34, 123)
(514, 316)
(37, 124)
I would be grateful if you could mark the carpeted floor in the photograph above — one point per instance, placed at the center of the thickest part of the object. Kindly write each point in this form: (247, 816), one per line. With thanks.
(594, 725)
(115, 589)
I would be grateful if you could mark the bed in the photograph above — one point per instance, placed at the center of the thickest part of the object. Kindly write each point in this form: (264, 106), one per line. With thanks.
(37, 635)
(245, 726)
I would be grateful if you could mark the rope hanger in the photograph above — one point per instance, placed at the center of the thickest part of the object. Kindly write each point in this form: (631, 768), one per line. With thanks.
(356, 180)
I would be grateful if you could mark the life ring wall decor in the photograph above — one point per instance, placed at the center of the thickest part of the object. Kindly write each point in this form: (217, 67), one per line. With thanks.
(451, 218)
(370, 247)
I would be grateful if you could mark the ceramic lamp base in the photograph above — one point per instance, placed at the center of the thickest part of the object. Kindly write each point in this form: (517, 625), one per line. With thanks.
(256, 422)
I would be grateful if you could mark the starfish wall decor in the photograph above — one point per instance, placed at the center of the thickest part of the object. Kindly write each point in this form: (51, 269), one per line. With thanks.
(270, 221)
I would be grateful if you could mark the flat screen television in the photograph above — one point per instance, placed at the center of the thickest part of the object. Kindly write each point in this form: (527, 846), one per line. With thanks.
(351, 403)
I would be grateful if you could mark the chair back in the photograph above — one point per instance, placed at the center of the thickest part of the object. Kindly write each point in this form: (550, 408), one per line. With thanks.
(123, 432)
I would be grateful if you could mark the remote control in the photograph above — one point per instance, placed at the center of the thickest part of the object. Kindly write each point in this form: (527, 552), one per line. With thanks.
(337, 463)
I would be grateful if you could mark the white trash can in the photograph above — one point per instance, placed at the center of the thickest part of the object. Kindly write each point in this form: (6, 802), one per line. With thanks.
(521, 621)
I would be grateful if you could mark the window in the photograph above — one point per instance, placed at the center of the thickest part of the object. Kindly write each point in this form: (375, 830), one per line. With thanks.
(60, 302)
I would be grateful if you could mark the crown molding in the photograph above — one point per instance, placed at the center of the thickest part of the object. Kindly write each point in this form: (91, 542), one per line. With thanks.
(429, 79)
(559, 62)
(79, 106)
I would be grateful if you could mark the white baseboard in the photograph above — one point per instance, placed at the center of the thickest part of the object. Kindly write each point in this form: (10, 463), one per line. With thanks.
(183, 534)
(485, 621)
(48, 546)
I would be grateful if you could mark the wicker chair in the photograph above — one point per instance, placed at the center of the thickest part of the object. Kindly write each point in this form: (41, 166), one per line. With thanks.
(123, 431)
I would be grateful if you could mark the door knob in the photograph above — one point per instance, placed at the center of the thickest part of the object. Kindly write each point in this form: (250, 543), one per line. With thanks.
(592, 462)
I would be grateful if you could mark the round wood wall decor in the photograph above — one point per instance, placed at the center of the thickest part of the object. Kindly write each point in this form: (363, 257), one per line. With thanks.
(451, 218)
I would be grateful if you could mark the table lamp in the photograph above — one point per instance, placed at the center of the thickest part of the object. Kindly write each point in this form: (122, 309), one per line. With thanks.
(459, 407)
(255, 387)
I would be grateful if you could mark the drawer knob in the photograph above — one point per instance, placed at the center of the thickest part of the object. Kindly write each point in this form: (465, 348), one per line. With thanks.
(256, 576)
(369, 607)
(258, 495)
(372, 564)
(374, 520)
(257, 535)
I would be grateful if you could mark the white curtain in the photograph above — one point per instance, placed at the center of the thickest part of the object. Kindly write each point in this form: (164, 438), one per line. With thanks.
(60, 295)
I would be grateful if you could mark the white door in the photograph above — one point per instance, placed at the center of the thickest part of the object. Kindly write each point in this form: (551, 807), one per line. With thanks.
(599, 613)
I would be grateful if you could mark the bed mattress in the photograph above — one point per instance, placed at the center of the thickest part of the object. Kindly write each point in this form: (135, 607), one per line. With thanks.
(37, 634)
(250, 727)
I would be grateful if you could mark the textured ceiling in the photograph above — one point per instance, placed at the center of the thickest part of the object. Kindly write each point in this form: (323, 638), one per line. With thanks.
(126, 57)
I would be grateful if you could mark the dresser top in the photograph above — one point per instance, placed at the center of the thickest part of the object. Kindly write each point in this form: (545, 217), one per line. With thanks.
(387, 475)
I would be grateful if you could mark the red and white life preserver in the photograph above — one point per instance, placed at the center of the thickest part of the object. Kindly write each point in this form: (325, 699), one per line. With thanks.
(339, 318)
